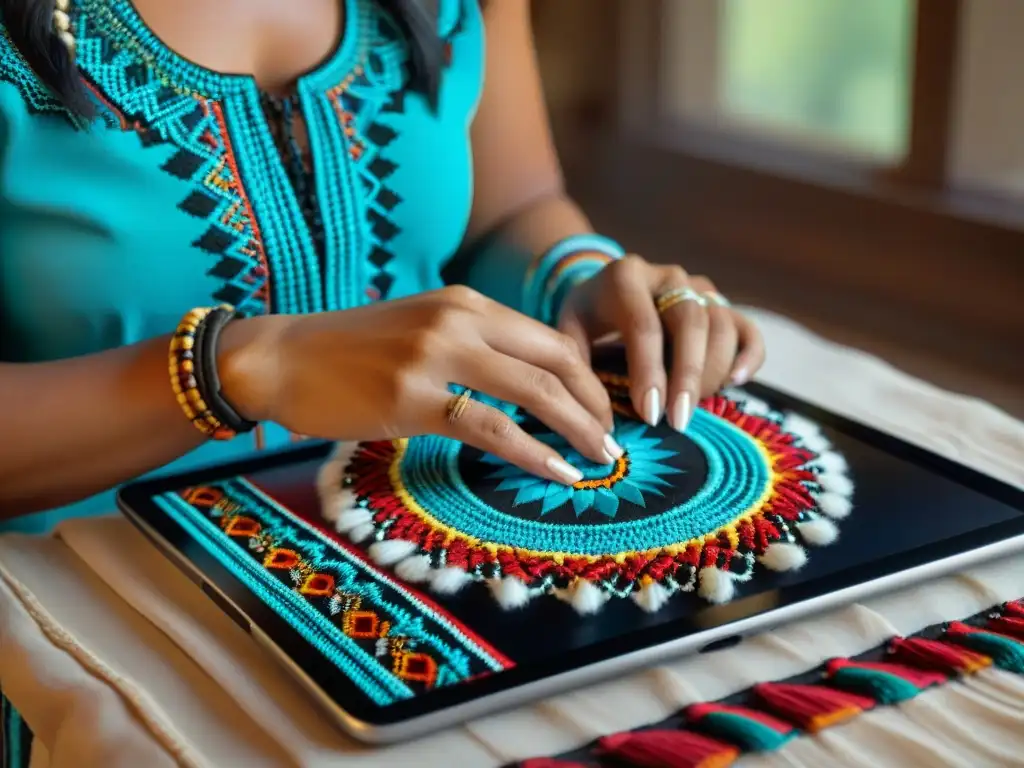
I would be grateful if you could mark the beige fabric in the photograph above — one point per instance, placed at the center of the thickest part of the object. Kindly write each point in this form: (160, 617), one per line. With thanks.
(116, 659)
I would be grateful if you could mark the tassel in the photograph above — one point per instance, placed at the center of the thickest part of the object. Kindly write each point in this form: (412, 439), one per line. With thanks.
(783, 556)
(885, 683)
(550, 762)
(812, 707)
(651, 597)
(587, 598)
(1008, 625)
(448, 581)
(937, 655)
(667, 749)
(510, 593)
(1006, 652)
(716, 586)
(753, 731)
(391, 551)
(820, 531)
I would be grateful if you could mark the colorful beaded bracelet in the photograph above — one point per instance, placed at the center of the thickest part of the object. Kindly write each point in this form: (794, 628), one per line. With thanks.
(182, 369)
(566, 264)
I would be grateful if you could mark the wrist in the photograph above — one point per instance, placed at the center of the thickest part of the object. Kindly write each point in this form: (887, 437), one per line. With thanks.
(248, 362)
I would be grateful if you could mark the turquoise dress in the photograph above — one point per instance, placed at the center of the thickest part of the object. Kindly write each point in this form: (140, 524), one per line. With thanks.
(183, 192)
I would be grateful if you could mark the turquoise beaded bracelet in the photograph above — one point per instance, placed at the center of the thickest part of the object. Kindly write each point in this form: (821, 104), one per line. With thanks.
(567, 263)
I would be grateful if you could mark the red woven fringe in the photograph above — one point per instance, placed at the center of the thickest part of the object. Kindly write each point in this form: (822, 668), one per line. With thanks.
(812, 707)
(668, 749)
(550, 762)
(937, 655)
(1016, 608)
(1008, 625)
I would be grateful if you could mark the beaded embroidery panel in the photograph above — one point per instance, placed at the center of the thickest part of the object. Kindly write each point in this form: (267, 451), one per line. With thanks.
(745, 488)
(391, 641)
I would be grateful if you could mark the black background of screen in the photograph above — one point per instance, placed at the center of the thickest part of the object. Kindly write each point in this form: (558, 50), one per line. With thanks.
(911, 508)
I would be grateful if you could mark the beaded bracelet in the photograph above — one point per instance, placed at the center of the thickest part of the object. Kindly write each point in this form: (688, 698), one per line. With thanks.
(207, 374)
(567, 263)
(193, 371)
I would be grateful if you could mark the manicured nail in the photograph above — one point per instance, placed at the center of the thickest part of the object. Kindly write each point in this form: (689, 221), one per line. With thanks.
(681, 412)
(740, 376)
(612, 448)
(564, 471)
(652, 406)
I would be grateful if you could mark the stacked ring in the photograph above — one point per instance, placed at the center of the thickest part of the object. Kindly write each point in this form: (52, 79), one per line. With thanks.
(674, 296)
(714, 297)
(458, 404)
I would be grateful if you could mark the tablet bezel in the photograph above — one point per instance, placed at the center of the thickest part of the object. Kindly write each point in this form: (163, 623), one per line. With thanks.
(445, 706)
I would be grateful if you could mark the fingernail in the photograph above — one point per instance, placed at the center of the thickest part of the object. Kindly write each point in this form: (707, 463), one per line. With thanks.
(681, 412)
(740, 376)
(565, 472)
(652, 406)
(612, 448)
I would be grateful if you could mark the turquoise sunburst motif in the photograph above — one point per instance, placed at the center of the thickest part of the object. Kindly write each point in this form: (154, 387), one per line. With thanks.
(641, 471)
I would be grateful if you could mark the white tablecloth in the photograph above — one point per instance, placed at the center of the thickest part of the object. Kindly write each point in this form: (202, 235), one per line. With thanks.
(115, 659)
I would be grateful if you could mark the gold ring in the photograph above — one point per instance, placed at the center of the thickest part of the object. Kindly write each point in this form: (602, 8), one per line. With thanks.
(458, 404)
(670, 298)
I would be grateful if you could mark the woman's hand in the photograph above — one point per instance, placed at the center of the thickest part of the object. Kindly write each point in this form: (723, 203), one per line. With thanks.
(711, 344)
(383, 371)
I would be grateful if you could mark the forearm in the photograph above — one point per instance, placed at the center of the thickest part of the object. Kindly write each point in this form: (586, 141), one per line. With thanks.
(497, 265)
(73, 428)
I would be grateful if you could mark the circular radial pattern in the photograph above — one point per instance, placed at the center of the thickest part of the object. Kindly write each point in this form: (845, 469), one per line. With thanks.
(677, 512)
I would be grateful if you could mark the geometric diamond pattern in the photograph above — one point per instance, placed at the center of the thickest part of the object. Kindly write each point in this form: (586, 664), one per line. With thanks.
(132, 97)
(365, 107)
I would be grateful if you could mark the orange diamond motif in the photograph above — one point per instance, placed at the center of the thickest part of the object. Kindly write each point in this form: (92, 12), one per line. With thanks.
(284, 559)
(242, 526)
(317, 585)
(418, 667)
(363, 625)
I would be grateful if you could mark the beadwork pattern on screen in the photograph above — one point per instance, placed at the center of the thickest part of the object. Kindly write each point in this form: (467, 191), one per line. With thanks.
(389, 640)
(745, 487)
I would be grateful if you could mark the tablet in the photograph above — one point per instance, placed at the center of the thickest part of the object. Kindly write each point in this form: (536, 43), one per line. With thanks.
(414, 584)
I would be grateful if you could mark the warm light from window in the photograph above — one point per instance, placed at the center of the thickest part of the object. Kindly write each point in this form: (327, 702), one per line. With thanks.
(835, 71)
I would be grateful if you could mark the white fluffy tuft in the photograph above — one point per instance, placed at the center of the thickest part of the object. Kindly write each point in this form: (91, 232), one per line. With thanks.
(510, 592)
(783, 556)
(448, 581)
(716, 586)
(361, 533)
(651, 597)
(830, 461)
(820, 532)
(834, 482)
(414, 569)
(587, 598)
(351, 519)
(335, 499)
(392, 551)
(835, 506)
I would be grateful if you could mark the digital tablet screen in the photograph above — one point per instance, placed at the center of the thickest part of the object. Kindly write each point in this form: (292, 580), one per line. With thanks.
(367, 613)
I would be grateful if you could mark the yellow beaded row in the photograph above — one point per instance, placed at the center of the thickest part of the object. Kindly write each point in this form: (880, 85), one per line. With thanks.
(181, 367)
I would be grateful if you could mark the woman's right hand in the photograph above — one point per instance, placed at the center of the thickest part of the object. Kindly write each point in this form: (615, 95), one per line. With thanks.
(383, 371)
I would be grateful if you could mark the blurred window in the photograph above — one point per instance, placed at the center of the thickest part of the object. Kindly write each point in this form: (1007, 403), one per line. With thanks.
(829, 74)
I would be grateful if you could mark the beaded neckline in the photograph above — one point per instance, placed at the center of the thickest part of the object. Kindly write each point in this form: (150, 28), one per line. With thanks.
(185, 75)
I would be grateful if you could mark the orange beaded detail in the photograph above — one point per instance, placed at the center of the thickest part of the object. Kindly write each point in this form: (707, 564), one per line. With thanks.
(181, 367)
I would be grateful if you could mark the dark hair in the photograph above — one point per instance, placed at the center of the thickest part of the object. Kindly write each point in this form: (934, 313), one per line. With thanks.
(29, 24)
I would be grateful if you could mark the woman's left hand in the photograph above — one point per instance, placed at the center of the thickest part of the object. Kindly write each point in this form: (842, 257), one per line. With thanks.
(711, 343)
